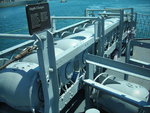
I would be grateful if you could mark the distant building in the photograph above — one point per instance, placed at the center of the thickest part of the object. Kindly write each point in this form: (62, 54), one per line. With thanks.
(11, 3)
(6, 1)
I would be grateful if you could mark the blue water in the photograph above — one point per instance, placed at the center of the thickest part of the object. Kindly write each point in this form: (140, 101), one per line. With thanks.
(13, 19)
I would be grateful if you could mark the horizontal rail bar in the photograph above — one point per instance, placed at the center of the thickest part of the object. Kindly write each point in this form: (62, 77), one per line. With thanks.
(138, 62)
(102, 9)
(6, 51)
(70, 26)
(109, 14)
(115, 93)
(143, 14)
(73, 17)
(16, 36)
(140, 44)
(119, 8)
(109, 9)
(141, 39)
(125, 68)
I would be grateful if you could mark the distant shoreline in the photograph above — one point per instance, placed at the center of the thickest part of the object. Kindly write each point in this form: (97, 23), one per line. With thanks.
(13, 4)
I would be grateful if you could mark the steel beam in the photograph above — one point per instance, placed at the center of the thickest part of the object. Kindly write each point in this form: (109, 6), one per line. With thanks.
(110, 49)
(137, 42)
(140, 44)
(121, 25)
(127, 98)
(48, 73)
(72, 52)
(125, 68)
(6, 51)
(16, 36)
(73, 17)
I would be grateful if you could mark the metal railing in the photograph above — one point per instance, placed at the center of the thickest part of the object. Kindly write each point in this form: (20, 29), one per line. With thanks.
(49, 64)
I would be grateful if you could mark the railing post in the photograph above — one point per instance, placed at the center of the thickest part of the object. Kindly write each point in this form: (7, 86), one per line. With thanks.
(48, 73)
(53, 24)
(101, 36)
(89, 75)
(101, 40)
(86, 12)
(120, 31)
(127, 57)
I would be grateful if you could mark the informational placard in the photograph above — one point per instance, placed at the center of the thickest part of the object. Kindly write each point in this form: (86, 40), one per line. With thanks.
(38, 17)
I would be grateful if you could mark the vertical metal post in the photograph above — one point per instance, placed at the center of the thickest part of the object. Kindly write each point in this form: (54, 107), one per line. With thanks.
(101, 35)
(96, 31)
(95, 37)
(53, 24)
(120, 31)
(48, 73)
(135, 20)
(53, 74)
(86, 12)
(132, 22)
(127, 57)
(101, 40)
(89, 75)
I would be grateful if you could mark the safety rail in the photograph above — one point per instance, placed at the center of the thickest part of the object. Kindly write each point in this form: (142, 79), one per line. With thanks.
(71, 28)
(48, 65)
(30, 38)
(94, 60)
(142, 43)
(103, 41)
(108, 11)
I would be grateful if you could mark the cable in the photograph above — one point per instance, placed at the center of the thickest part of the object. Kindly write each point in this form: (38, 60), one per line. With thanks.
(100, 75)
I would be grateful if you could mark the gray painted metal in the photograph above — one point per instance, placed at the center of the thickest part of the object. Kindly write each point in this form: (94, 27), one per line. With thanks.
(72, 52)
(48, 73)
(142, 43)
(16, 36)
(68, 95)
(136, 71)
(49, 64)
(19, 81)
(6, 51)
(121, 26)
(115, 93)
(89, 75)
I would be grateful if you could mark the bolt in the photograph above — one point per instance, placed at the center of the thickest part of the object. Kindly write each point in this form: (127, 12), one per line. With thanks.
(62, 99)
(48, 81)
(70, 97)
(51, 69)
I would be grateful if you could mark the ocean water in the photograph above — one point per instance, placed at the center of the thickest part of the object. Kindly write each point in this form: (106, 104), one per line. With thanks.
(13, 19)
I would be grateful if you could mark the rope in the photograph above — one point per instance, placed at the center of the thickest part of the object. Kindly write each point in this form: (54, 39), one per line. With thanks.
(25, 52)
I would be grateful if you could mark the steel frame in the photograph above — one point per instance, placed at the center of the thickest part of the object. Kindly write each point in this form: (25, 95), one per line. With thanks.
(132, 70)
(131, 44)
(49, 64)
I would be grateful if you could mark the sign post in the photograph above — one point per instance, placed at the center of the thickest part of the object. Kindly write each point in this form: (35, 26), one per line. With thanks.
(38, 17)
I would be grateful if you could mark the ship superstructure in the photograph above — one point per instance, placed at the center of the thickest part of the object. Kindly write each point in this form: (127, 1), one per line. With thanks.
(96, 60)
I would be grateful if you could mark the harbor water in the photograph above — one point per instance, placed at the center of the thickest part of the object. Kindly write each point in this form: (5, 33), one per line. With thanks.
(13, 19)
